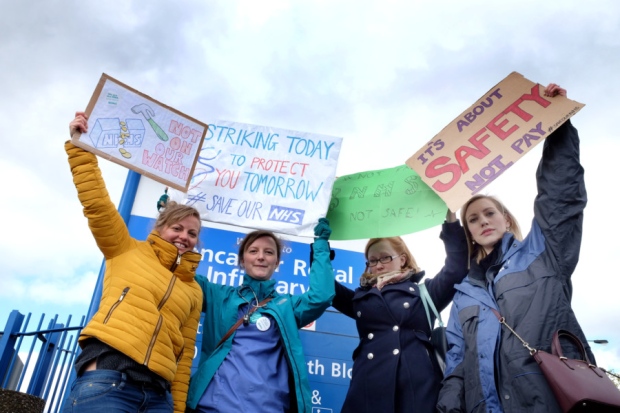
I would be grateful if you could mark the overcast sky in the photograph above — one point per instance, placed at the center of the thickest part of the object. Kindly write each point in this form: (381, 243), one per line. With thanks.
(384, 75)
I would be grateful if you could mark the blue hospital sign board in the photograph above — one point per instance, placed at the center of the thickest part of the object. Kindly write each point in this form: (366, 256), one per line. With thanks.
(328, 343)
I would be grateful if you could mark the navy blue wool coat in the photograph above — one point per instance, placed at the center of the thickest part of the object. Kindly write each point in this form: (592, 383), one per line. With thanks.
(393, 366)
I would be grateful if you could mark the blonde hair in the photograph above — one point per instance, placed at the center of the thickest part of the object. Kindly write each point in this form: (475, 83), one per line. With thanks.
(475, 250)
(401, 249)
(173, 213)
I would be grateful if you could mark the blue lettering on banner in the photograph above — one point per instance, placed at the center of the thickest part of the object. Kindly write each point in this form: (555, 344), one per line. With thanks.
(284, 214)
(280, 186)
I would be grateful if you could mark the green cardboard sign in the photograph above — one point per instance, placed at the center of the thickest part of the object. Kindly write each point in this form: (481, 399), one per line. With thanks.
(383, 203)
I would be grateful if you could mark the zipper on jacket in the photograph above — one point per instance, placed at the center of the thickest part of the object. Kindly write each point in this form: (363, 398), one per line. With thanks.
(147, 357)
(176, 263)
(159, 322)
(168, 292)
(116, 304)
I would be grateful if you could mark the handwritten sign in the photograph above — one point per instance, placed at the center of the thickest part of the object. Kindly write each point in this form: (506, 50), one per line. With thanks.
(383, 203)
(263, 177)
(489, 137)
(136, 131)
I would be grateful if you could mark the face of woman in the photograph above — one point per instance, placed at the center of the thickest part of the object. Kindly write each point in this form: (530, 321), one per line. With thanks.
(382, 250)
(183, 234)
(260, 259)
(486, 223)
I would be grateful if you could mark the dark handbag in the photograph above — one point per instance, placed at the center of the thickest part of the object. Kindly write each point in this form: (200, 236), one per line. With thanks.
(578, 385)
(438, 334)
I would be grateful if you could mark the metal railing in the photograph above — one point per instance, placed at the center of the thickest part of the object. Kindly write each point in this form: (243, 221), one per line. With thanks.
(38, 362)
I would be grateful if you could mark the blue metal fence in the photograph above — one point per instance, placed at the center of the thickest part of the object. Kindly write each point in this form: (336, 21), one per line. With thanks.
(38, 362)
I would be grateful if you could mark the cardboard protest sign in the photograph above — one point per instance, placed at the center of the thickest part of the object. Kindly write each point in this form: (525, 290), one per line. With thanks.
(130, 128)
(489, 137)
(263, 177)
(383, 203)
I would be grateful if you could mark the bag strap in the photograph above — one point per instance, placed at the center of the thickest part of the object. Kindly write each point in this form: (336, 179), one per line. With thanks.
(428, 302)
(502, 320)
(556, 347)
(239, 321)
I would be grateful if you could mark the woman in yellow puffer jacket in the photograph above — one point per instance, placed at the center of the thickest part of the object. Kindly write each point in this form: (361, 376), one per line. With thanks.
(137, 350)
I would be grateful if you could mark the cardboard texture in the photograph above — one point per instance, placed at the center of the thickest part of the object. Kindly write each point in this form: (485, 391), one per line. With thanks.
(131, 129)
(489, 137)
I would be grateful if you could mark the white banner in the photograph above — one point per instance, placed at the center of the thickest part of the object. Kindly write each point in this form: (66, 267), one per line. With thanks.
(263, 177)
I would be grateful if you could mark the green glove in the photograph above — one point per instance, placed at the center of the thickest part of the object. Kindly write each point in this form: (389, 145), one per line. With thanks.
(322, 229)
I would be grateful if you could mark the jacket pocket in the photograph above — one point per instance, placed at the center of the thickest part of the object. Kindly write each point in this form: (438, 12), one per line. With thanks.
(116, 304)
(468, 317)
(528, 388)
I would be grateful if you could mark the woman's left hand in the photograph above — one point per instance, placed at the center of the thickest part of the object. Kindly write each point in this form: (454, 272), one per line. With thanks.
(322, 229)
(553, 90)
(450, 216)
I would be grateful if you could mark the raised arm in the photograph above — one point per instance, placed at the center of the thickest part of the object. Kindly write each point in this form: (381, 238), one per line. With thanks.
(343, 301)
(321, 291)
(561, 199)
(441, 287)
(106, 224)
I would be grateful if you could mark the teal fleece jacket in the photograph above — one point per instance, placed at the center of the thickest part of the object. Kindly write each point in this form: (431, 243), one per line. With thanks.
(221, 305)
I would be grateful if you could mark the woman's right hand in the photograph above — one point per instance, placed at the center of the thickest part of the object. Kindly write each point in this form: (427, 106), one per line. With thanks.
(79, 124)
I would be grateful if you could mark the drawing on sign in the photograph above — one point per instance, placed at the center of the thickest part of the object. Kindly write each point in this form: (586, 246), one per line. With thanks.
(133, 130)
(148, 114)
(115, 133)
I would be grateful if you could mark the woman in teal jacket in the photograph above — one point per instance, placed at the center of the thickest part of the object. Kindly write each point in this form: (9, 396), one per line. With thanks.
(260, 365)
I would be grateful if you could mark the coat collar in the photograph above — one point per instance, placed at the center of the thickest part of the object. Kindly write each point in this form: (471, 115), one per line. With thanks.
(183, 266)
(262, 288)
(409, 286)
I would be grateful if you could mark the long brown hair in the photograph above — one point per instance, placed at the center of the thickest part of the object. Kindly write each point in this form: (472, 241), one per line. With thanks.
(475, 250)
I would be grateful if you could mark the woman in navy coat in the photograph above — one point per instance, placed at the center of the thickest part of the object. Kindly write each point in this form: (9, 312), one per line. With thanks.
(394, 369)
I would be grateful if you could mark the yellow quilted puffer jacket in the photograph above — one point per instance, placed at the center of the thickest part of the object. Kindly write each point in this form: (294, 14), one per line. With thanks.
(150, 305)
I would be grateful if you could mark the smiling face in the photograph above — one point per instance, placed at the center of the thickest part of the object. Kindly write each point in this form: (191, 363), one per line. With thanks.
(486, 223)
(183, 234)
(382, 250)
(260, 258)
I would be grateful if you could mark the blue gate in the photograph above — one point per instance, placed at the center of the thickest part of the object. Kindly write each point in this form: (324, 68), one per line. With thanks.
(38, 360)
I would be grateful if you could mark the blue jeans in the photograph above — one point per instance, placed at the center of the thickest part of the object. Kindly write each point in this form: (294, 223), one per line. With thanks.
(109, 391)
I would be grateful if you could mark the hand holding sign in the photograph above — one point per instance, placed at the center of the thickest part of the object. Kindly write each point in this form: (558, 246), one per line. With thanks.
(116, 119)
(486, 139)
(554, 90)
(79, 124)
